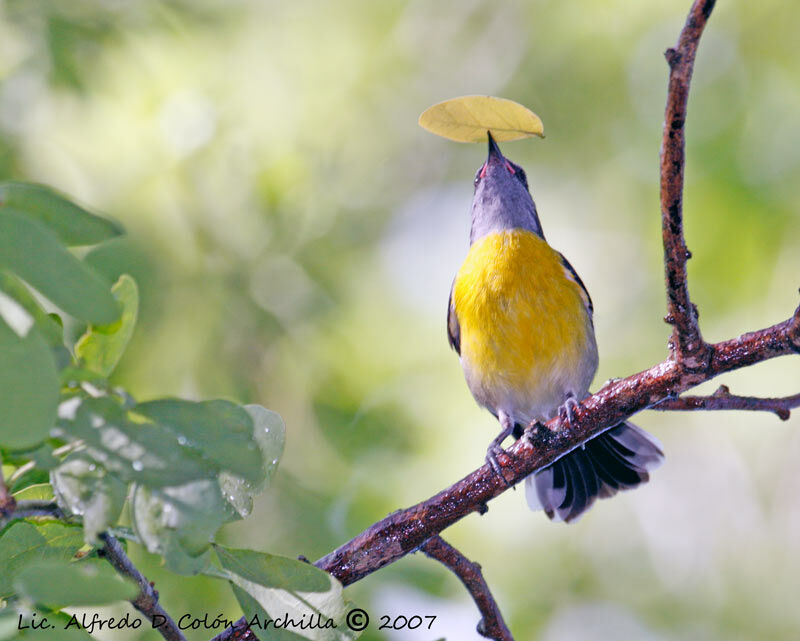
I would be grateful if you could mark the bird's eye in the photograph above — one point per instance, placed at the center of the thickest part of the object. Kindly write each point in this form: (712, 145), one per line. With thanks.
(476, 181)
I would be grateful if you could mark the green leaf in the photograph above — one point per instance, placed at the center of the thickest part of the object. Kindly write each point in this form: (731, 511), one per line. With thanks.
(37, 492)
(32, 479)
(221, 430)
(23, 543)
(9, 622)
(41, 455)
(43, 460)
(29, 388)
(73, 225)
(102, 346)
(180, 522)
(73, 376)
(83, 487)
(58, 583)
(468, 118)
(32, 252)
(50, 329)
(273, 586)
(269, 433)
(141, 452)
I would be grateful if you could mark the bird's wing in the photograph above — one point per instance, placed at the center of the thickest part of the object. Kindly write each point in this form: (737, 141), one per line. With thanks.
(573, 276)
(453, 329)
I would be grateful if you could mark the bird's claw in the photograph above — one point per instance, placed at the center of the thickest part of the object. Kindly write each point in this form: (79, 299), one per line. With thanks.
(567, 410)
(491, 458)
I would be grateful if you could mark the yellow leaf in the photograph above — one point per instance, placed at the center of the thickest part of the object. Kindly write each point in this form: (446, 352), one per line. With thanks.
(468, 118)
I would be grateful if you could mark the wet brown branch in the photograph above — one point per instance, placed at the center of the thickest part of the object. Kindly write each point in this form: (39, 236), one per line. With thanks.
(491, 624)
(147, 601)
(404, 531)
(687, 342)
(722, 399)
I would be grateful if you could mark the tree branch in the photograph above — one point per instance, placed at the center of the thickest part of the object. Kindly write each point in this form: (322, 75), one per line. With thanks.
(491, 624)
(722, 399)
(147, 601)
(687, 343)
(239, 631)
(404, 531)
(33, 509)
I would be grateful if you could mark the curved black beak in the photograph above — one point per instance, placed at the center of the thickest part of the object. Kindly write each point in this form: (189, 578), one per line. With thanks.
(494, 150)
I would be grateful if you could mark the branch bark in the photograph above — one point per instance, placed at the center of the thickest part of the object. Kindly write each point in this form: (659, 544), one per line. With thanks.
(404, 531)
(722, 399)
(32, 509)
(239, 631)
(687, 343)
(491, 625)
(147, 601)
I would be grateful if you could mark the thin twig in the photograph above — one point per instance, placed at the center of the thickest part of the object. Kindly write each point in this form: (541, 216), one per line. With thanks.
(33, 509)
(49, 508)
(687, 342)
(722, 399)
(491, 624)
(30, 513)
(147, 601)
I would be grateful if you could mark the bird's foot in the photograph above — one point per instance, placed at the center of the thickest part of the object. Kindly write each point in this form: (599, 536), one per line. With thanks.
(492, 453)
(495, 448)
(567, 410)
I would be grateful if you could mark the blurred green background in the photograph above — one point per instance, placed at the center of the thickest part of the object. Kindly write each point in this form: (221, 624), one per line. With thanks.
(294, 235)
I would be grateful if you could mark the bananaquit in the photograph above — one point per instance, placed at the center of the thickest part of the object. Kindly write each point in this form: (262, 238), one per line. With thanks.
(521, 321)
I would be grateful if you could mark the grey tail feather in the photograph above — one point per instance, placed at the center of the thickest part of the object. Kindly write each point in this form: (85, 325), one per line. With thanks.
(618, 459)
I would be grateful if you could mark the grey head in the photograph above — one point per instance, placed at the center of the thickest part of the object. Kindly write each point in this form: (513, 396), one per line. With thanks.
(502, 200)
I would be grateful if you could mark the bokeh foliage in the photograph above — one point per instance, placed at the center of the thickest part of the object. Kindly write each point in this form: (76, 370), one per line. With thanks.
(293, 234)
(178, 469)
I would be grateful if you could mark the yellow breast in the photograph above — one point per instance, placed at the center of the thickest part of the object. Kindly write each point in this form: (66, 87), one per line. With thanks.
(526, 336)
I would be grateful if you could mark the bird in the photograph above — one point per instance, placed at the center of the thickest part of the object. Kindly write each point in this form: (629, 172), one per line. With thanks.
(521, 320)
